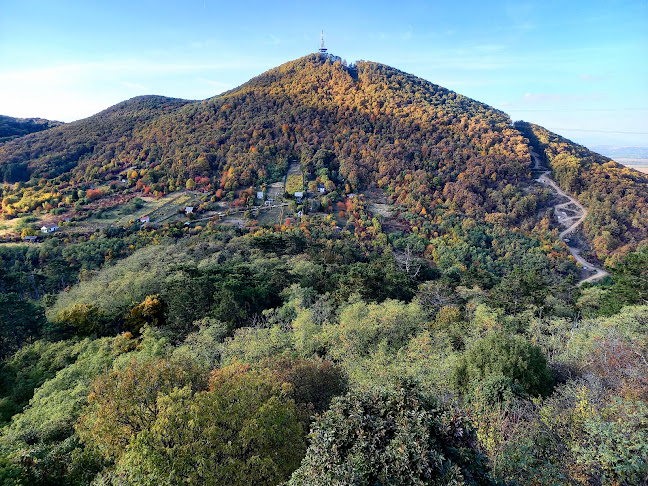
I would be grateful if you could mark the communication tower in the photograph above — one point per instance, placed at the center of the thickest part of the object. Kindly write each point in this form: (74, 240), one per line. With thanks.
(322, 49)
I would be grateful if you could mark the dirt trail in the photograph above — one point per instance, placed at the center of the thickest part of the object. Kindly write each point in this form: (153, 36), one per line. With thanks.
(578, 214)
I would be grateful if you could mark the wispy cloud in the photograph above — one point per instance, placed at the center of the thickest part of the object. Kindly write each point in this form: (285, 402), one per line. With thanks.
(520, 15)
(560, 97)
(491, 48)
(216, 84)
(132, 66)
(588, 78)
(132, 85)
(408, 34)
(73, 90)
(272, 40)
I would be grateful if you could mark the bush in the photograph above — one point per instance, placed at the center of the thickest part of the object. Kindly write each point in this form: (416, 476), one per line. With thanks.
(499, 365)
(383, 436)
(241, 431)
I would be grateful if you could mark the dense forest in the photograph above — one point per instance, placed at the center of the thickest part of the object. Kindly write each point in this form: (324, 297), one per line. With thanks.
(449, 339)
(11, 128)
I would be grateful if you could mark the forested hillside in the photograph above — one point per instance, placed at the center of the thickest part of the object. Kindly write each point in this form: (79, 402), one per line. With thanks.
(53, 153)
(333, 274)
(615, 195)
(11, 128)
(366, 124)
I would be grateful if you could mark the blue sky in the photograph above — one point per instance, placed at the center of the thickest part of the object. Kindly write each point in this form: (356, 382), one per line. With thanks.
(577, 67)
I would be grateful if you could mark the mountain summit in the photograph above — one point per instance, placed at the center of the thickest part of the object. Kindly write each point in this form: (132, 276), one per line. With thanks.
(362, 124)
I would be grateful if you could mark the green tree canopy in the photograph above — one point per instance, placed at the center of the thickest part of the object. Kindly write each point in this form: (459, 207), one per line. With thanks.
(241, 431)
(381, 436)
(500, 362)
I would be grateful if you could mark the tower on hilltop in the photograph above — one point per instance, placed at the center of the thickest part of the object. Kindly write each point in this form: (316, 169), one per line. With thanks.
(322, 49)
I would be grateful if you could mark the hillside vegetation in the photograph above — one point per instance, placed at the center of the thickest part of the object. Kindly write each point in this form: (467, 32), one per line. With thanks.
(367, 124)
(11, 127)
(414, 319)
(615, 195)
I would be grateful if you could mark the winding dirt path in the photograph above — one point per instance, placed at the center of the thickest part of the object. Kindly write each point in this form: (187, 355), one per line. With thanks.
(570, 214)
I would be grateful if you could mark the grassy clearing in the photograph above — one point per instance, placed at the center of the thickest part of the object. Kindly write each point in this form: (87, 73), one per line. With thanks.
(123, 213)
(170, 206)
(294, 183)
(7, 226)
(269, 216)
(158, 210)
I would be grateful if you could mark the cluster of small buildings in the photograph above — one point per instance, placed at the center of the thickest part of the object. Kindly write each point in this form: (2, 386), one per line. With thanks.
(45, 229)
(49, 228)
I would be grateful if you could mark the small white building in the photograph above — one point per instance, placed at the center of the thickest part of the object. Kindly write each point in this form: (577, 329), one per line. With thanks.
(189, 210)
(49, 228)
(259, 195)
(299, 195)
(321, 188)
(144, 219)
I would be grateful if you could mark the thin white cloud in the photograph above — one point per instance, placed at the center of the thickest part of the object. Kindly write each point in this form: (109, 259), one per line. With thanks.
(592, 79)
(133, 85)
(272, 40)
(489, 47)
(136, 67)
(561, 97)
(217, 84)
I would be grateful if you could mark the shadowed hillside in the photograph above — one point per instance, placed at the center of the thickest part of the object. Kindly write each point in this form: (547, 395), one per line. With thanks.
(11, 127)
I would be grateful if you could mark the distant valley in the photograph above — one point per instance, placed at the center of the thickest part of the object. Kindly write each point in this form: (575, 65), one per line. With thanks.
(635, 157)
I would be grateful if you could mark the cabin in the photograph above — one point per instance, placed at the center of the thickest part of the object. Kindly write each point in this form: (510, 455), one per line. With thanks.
(259, 195)
(144, 219)
(31, 239)
(299, 195)
(49, 228)
(321, 188)
(189, 210)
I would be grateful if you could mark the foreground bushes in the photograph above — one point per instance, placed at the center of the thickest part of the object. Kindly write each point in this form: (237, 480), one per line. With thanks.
(382, 437)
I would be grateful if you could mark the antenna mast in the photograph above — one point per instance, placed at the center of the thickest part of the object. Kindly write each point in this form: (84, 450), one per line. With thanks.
(322, 48)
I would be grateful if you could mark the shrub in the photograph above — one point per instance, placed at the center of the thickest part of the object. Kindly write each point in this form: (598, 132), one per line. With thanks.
(384, 436)
(498, 362)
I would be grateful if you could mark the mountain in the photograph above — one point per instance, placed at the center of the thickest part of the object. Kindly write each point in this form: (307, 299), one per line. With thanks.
(11, 128)
(624, 152)
(372, 121)
(49, 155)
(434, 151)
